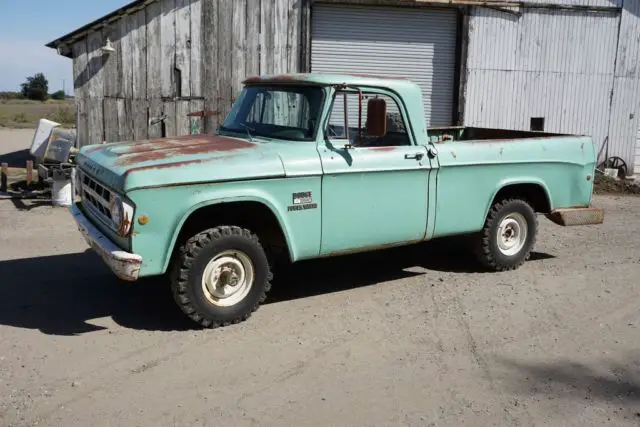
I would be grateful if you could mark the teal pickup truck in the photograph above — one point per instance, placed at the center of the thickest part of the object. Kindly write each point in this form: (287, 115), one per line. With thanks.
(316, 165)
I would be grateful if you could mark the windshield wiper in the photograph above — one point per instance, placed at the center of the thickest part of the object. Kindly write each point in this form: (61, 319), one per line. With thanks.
(247, 128)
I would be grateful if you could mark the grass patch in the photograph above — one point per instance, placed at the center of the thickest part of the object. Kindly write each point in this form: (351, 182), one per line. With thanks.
(21, 113)
(606, 185)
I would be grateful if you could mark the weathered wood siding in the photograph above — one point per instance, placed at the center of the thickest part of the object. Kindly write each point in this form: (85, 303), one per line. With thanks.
(173, 57)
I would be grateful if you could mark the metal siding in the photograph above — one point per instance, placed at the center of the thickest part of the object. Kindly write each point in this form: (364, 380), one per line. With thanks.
(593, 3)
(637, 152)
(625, 111)
(624, 121)
(553, 64)
(353, 39)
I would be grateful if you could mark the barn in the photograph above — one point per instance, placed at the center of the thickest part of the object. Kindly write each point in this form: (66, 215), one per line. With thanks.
(554, 65)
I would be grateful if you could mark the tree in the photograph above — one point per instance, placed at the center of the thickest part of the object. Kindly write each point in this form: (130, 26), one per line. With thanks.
(36, 87)
(58, 96)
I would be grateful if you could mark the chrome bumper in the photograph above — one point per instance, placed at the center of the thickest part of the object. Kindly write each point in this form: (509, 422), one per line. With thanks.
(124, 265)
(577, 216)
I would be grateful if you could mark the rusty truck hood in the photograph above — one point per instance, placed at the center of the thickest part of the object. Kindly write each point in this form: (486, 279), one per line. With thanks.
(187, 159)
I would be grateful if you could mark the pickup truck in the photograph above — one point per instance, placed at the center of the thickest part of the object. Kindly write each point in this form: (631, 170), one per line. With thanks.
(316, 165)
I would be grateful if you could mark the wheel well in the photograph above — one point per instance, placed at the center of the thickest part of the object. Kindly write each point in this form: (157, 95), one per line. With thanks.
(254, 216)
(532, 193)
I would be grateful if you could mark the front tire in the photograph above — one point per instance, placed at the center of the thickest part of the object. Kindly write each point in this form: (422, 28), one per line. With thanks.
(221, 276)
(508, 236)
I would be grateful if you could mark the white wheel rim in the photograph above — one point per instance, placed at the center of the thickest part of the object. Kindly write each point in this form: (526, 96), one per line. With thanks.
(227, 278)
(512, 234)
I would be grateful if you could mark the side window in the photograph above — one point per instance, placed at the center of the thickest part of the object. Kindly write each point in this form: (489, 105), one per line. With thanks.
(383, 126)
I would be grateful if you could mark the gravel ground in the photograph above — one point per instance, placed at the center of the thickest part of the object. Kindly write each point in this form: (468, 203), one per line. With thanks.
(411, 336)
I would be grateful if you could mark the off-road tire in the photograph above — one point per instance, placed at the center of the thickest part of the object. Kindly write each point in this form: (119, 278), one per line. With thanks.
(194, 255)
(486, 245)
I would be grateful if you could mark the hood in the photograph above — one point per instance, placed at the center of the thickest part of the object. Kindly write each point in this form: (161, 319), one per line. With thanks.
(187, 159)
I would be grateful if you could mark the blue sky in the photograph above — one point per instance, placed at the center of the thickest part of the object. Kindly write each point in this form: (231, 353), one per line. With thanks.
(27, 25)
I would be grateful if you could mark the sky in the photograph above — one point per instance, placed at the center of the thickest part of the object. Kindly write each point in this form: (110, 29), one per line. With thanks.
(27, 25)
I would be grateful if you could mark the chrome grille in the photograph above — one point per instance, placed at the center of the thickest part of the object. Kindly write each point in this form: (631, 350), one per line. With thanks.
(95, 197)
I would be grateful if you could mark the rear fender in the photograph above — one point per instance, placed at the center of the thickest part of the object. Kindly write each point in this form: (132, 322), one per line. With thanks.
(524, 180)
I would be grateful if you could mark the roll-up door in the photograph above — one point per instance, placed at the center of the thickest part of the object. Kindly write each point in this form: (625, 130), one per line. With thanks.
(416, 43)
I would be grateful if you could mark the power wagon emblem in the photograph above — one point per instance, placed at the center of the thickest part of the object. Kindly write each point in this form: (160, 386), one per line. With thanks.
(302, 201)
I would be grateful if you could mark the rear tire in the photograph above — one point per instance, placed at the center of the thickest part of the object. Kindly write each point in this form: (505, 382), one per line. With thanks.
(221, 276)
(508, 236)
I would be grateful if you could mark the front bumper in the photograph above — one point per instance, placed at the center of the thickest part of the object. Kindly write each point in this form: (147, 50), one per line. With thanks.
(124, 265)
(577, 216)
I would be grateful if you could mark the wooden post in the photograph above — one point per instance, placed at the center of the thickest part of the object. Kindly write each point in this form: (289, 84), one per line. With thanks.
(4, 175)
(29, 172)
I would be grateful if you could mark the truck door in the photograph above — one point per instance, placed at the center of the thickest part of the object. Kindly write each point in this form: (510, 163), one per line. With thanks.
(375, 176)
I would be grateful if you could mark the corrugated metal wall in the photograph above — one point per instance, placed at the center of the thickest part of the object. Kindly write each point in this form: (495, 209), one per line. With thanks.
(550, 64)
(575, 68)
(625, 102)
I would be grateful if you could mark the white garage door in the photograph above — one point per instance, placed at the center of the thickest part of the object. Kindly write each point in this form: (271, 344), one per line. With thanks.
(419, 44)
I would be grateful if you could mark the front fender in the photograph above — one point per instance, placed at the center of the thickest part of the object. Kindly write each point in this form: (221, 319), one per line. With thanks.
(169, 208)
(260, 197)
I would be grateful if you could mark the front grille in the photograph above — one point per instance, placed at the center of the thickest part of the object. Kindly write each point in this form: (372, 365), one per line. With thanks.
(95, 197)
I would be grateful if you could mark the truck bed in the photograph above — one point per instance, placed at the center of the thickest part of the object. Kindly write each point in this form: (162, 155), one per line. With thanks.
(462, 133)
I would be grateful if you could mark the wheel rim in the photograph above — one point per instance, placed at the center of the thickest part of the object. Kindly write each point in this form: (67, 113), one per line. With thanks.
(512, 234)
(228, 278)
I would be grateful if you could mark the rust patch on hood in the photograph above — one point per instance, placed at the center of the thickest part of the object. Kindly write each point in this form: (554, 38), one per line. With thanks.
(173, 165)
(166, 148)
(163, 166)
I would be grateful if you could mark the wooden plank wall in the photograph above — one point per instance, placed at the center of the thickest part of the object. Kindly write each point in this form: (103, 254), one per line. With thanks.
(173, 57)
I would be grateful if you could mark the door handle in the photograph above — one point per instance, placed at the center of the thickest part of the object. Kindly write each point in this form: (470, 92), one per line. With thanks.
(417, 156)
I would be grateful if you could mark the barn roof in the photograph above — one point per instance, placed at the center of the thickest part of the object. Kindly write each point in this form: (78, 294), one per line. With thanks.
(63, 43)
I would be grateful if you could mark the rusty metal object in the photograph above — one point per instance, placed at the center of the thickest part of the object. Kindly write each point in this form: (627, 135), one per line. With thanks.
(161, 149)
(577, 216)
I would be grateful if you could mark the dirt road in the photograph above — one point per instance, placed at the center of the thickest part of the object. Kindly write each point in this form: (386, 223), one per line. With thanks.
(412, 337)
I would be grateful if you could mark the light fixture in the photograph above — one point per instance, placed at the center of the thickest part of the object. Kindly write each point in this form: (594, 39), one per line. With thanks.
(107, 48)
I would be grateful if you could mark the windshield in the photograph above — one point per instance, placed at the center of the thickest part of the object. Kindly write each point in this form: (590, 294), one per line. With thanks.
(282, 112)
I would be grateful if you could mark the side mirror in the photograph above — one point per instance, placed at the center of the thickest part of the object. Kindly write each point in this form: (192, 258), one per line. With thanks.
(377, 117)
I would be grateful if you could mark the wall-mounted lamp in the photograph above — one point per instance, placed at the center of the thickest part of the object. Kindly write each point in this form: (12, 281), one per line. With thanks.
(108, 47)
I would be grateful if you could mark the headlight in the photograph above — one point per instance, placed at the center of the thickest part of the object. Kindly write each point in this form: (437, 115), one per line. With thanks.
(115, 207)
(121, 214)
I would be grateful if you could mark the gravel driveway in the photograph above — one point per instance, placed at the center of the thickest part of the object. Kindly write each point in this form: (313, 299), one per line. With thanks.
(412, 336)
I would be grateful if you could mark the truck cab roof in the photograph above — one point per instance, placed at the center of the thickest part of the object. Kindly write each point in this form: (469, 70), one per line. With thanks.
(396, 83)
